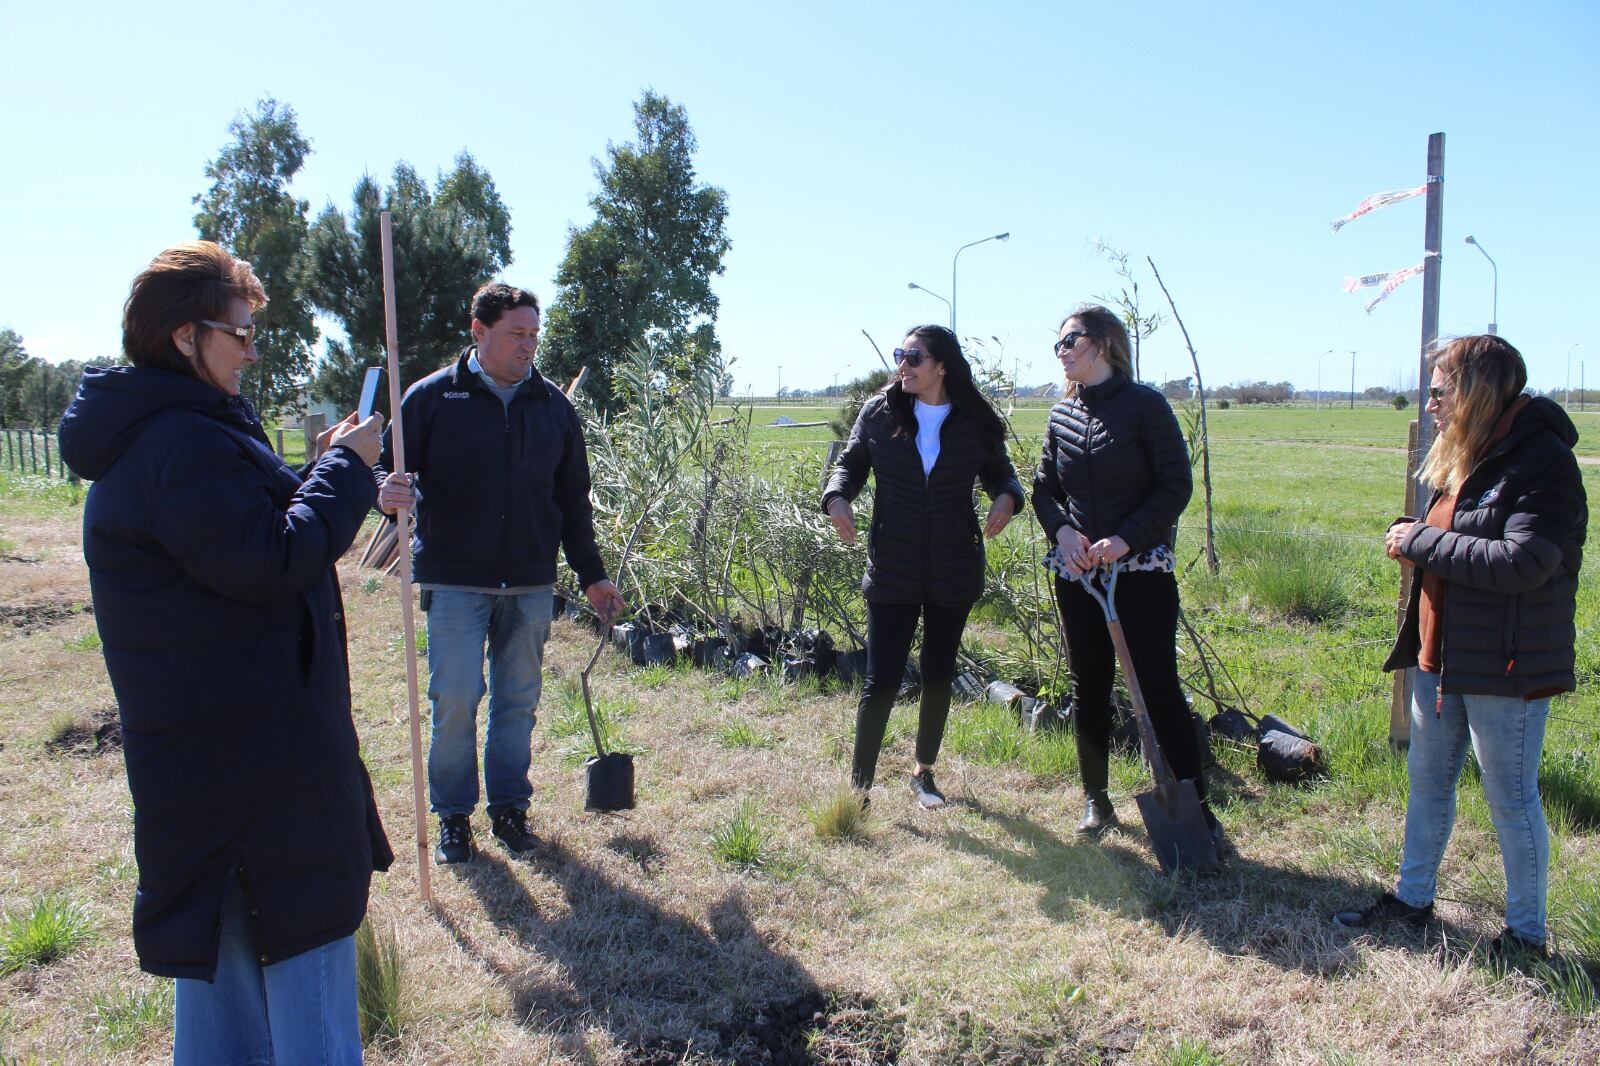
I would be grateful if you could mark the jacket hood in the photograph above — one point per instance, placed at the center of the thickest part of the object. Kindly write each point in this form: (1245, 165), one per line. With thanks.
(1544, 414)
(115, 404)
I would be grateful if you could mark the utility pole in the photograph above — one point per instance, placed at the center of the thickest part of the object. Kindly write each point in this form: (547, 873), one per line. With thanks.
(1352, 381)
(1432, 241)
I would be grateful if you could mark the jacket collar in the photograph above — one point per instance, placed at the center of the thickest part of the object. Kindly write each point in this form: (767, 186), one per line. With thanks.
(1093, 394)
(534, 385)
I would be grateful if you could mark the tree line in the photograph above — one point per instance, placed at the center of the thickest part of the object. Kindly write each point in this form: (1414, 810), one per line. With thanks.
(639, 271)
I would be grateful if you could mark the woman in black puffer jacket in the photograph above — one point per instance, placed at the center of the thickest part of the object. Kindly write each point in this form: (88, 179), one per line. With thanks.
(1110, 486)
(926, 438)
(1490, 625)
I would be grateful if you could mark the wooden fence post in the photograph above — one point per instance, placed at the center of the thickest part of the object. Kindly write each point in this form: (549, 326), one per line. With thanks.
(280, 442)
(47, 455)
(33, 450)
(313, 424)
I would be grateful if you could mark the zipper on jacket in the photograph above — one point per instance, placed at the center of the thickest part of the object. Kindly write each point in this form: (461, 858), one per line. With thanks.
(505, 499)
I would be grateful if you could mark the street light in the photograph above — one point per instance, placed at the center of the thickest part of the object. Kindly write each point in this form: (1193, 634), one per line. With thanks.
(936, 296)
(1353, 380)
(1569, 372)
(1494, 315)
(1320, 358)
(956, 259)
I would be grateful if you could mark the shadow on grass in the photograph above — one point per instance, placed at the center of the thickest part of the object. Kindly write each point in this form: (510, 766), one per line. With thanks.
(667, 989)
(1280, 915)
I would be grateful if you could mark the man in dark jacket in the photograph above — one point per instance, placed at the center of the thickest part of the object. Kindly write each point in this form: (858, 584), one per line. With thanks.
(496, 465)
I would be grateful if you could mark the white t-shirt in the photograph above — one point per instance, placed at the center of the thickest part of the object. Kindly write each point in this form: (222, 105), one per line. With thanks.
(929, 421)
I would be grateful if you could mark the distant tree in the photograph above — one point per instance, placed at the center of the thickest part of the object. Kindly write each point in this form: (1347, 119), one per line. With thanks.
(857, 393)
(249, 211)
(1178, 388)
(724, 385)
(447, 243)
(15, 367)
(1399, 401)
(643, 267)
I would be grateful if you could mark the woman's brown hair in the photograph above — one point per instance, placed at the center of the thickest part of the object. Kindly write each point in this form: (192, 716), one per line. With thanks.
(184, 285)
(1109, 333)
(1484, 374)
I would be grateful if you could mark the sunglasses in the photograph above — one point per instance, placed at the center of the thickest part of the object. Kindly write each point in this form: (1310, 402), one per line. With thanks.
(1070, 340)
(911, 357)
(1437, 392)
(246, 334)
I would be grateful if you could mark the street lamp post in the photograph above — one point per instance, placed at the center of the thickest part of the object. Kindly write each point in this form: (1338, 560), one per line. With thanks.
(941, 299)
(1569, 372)
(1320, 358)
(780, 379)
(1494, 313)
(1352, 381)
(957, 259)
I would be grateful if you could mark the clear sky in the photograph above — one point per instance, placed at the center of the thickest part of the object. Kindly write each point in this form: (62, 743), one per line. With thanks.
(860, 144)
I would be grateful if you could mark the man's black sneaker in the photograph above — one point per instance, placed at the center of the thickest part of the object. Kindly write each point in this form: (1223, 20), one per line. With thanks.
(455, 840)
(926, 791)
(511, 829)
(1510, 949)
(1389, 908)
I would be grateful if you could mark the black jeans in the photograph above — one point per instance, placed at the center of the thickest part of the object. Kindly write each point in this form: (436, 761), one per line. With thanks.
(1147, 604)
(890, 627)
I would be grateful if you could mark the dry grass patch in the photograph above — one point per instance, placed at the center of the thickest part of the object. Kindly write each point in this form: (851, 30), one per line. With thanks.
(984, 933)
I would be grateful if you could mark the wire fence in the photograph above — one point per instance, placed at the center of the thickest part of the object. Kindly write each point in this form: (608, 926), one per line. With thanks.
(30, 451)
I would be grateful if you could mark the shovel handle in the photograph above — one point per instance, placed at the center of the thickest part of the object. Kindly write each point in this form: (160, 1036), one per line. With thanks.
(1159, 769)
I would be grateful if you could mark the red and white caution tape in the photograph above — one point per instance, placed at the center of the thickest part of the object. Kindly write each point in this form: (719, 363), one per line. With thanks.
(1377, 200)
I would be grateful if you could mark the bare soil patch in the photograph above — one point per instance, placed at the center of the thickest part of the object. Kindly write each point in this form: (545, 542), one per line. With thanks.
(102, 734)
(29, 618)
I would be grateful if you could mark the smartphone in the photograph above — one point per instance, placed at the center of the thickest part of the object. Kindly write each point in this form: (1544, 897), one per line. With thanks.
(369, 393)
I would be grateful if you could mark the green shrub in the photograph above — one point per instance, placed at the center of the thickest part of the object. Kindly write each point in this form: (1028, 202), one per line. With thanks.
(742, 734)
(741, 840)
(379, 983)
(51, 927)
(122, 1021)
(840, 816)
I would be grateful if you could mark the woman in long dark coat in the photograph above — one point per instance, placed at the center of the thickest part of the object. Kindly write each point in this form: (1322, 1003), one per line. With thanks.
(212, 569)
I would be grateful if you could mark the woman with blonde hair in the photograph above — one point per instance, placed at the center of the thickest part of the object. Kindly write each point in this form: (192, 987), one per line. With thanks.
(1489, 627)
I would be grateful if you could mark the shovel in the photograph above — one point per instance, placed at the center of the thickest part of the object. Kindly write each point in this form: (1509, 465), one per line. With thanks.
(1171, 810)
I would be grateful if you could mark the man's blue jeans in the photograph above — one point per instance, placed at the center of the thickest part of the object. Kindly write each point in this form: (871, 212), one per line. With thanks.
(514, 628)
(300, 1010)
(1507, 735)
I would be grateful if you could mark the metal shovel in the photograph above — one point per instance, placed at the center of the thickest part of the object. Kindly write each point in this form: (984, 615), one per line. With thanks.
(1171, 810)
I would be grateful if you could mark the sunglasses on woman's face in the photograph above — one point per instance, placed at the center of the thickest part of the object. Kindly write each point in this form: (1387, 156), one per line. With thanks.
(1437, 392)
(911, 357)
(1070, 341)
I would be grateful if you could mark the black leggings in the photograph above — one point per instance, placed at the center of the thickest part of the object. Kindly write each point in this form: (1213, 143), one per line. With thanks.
(1147, 604)
(890, 627)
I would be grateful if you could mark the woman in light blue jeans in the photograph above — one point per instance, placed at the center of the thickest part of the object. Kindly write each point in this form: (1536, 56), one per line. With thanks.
(1489, 626)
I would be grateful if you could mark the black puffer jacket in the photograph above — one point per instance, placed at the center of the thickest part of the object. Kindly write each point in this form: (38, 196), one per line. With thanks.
(1510, 562)
(1114, 464)
(926, 545)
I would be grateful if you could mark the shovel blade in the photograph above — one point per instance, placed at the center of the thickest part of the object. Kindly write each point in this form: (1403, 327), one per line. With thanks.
(1177, 827)
(608, 782)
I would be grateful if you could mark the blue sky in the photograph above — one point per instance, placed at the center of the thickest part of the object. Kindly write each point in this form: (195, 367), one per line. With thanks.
(861, 144)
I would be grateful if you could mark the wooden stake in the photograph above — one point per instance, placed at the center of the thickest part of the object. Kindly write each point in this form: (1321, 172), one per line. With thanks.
(403, 525)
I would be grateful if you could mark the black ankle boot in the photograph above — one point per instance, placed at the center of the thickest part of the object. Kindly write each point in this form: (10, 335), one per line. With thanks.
(1098, 815)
